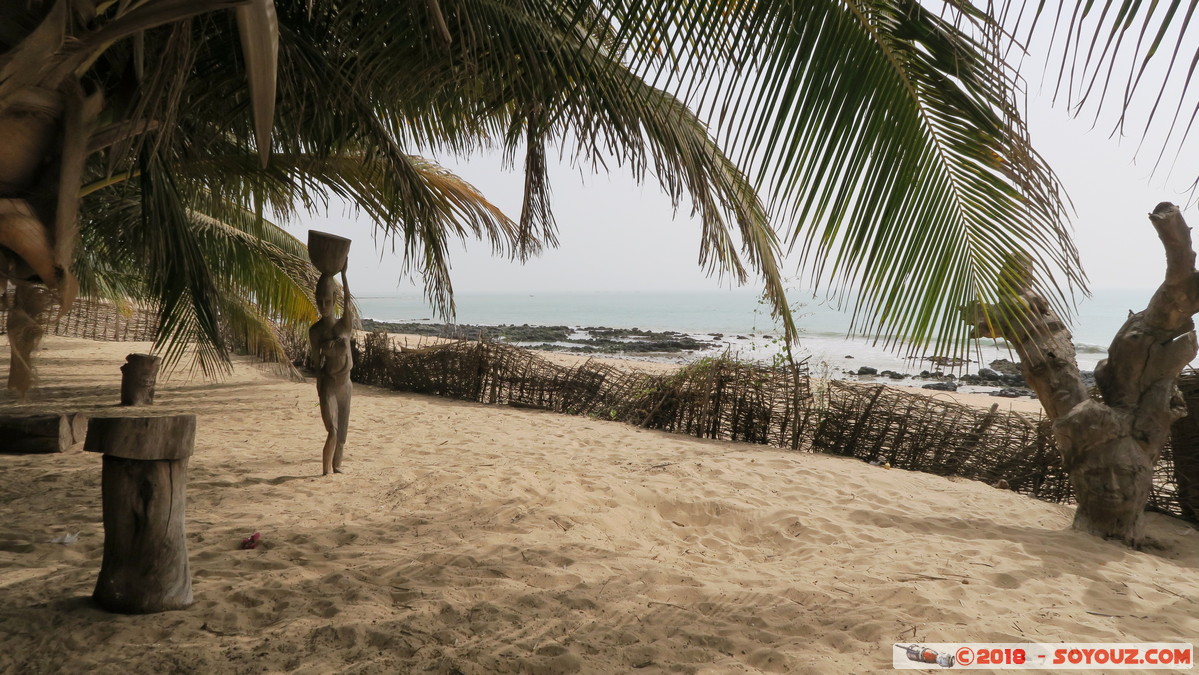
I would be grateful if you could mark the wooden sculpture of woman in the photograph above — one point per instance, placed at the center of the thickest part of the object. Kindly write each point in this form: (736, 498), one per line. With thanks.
(330, 340)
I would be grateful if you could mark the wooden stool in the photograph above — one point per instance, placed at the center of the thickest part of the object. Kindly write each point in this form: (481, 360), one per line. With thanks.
(144, 493)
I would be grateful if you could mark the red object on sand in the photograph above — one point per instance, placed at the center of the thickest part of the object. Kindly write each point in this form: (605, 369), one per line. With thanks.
(250, 541)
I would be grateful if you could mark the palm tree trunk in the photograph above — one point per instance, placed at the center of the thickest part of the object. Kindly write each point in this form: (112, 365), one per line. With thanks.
(24, 334)
(28, 128)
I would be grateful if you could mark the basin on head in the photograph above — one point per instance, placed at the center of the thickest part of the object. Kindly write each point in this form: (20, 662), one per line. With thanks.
(328, 251)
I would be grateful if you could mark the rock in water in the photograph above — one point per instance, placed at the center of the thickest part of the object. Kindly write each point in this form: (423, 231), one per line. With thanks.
(1005, 366)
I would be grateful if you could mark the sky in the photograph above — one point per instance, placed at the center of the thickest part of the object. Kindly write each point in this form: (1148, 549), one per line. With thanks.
(618, 235)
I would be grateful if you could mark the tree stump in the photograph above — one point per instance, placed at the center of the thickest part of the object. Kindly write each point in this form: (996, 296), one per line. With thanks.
(138, 377)
(41, 433)
(144, 494)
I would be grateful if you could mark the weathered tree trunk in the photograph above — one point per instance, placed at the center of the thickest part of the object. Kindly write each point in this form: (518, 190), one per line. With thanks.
(24, 334)
(144, 485)
(1110, 448)
(41, 433)
(138, 376)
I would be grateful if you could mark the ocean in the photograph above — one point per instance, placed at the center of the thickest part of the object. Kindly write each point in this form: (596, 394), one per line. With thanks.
(741, 319)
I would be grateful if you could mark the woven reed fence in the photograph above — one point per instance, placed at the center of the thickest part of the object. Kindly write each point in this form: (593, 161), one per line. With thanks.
(910, 431)
(715, 398)
(923, 433)
(1185, 450)
(96, 320)
(730, 400)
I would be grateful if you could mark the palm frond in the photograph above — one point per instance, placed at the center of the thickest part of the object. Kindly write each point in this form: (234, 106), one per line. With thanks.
(1129, 51)
(258, 29)
(292, 182)
(524, 76)
(225, 271)
(890, 139)
(180, 282)
(886, 135)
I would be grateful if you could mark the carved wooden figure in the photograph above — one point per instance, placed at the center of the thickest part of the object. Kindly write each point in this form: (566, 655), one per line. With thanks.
(138, 377)
(330, 341)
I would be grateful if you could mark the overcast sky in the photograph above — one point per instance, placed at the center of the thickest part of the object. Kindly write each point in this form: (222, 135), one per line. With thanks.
(616, 235)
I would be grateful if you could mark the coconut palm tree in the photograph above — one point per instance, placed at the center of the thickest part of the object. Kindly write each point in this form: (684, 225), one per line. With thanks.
(885, 136)
(172, 204)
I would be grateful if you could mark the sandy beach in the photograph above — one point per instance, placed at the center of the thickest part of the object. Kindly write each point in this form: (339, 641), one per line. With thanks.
(473, 539)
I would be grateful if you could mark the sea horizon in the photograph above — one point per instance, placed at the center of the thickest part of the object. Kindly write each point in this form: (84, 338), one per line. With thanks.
(741, 321)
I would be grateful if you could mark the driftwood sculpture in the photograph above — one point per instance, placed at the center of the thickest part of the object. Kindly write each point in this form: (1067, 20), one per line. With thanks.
(1109, 448)
(330, 341)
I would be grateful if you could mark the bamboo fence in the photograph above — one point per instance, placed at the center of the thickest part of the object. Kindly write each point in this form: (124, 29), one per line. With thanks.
(881, 424)
(1184, 457)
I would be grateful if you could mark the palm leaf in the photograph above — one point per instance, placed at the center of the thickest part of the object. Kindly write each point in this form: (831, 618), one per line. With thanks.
(525, 76)
(886, 137)
(889, 137)
(258, 29)
(258, 276)
(1124, 50)
(180, 282)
